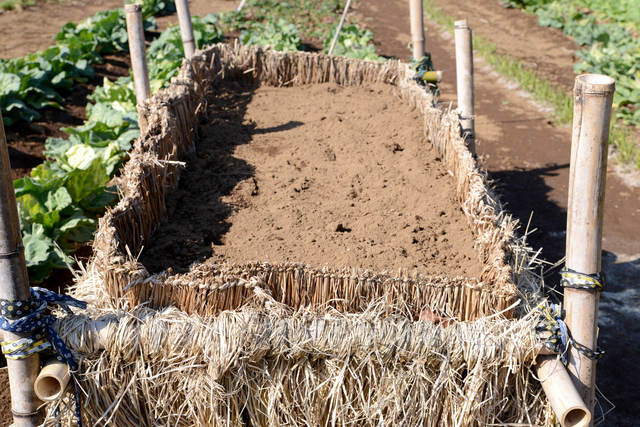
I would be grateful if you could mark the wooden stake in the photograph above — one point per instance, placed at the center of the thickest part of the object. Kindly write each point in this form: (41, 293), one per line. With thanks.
(417, 29)
(337, 34)
(464, 72)
(135, 31)
(567, 404)
(14, 285)
(593, 95)
(186, 28)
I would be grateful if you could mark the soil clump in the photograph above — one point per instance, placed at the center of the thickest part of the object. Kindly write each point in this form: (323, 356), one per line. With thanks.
(319, 174)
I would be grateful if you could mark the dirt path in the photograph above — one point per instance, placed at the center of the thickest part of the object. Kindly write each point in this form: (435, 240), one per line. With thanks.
(33, 29)
(529, 159)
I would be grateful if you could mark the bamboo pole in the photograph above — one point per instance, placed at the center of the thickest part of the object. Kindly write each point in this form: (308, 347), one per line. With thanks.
(186, 28)
(14, 285)
(337, 34)
(135, 31)
(593, 95)
(464, 72)
(565, 400)
(417, 29)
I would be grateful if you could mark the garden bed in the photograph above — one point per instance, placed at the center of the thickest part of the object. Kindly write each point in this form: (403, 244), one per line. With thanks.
(274, 343)
(168, 131)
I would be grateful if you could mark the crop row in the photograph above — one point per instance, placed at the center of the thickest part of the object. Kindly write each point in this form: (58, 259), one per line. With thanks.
(61, 200)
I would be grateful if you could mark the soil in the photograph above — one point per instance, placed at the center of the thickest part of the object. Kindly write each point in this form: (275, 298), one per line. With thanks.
(528, 158)
(6, 418)
(334, 176)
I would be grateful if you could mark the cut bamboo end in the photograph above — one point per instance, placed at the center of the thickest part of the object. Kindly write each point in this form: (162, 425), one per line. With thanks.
(595, 84)
(565, 400)
(132, 8)
(52, 380)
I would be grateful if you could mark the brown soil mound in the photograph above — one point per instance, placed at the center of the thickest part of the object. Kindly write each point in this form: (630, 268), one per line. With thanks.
(319, 174)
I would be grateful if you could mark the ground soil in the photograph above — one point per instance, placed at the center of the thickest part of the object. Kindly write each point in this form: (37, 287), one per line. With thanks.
(528, 158)
(334, 176)
(5, 399)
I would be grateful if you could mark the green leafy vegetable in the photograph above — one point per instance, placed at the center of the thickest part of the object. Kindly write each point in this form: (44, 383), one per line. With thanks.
(282, 36)
(353, 42)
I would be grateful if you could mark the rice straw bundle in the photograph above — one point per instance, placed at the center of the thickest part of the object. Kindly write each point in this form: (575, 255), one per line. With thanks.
(267, 364)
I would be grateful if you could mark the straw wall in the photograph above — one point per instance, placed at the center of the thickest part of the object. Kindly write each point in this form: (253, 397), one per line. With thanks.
(267, 365)
(169, 125)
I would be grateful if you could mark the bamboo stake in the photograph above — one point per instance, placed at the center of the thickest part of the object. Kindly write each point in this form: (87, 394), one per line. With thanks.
(14, 285)
(417, 29)
(135, 31)
(337, 34)
(593, 95)
(186, 28)
(464, 72)
(565, 400)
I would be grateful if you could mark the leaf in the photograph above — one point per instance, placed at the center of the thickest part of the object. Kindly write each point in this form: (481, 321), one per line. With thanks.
(48, 219)
(78, 228)
(97, 201)
(36, 248)
(58, 200)
(80, 183)
(9, 83)
(80, 156)
(30, 206)
(103, 113)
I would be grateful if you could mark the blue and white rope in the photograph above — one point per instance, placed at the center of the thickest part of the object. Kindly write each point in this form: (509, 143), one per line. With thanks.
(28, 317)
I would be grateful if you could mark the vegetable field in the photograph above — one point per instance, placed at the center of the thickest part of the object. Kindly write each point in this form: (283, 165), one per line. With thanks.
(609, 33)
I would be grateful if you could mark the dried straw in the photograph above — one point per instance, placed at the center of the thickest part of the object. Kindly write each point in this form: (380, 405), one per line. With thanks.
(269, 365)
